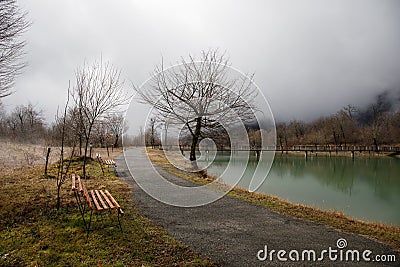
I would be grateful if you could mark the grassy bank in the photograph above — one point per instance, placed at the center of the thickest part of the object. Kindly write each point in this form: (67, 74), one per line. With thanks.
(34, 233)
(383, 233)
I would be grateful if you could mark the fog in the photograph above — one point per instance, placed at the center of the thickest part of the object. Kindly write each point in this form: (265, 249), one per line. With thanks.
(310, 58)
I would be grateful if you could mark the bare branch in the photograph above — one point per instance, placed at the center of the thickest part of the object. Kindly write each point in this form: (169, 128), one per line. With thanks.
(12, 24)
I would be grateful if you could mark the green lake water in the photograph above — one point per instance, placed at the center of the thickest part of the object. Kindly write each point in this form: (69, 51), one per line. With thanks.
(364, 188)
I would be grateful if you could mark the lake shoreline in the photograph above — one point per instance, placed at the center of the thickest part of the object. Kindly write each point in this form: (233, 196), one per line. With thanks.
(311, 153)
(357, 154)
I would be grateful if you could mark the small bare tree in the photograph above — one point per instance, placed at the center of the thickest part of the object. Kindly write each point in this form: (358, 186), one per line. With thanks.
(62, 169)
(152, 137)
(98, 92)
(201, 95)
(12, 24)
(76, 129)
(115, 124)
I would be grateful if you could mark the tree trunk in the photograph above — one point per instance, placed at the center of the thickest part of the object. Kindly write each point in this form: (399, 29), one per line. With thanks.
(195, 140)
(116, 140)
(375, 144)
(334, 138)
(80, 145)
(193, 145)
(84, 158)
(87, 137)
(343, 135)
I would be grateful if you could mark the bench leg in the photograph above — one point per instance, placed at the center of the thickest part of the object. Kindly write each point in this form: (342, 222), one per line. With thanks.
(88, 228)
(119, 221)
(111, 221)
(81, 209)
(101, 165)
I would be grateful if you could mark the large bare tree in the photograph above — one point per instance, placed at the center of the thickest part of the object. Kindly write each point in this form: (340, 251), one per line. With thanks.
(98, 93)
(13, 23)
(200, 94)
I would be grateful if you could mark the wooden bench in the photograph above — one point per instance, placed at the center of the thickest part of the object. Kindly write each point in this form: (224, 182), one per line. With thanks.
(93, 200)
(107, 162)
(110, 162)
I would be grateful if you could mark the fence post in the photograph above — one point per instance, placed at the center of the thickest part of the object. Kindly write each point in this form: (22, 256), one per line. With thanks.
(47, 161)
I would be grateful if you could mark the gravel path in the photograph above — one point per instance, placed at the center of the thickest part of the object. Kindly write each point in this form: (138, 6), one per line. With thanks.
(231, 231)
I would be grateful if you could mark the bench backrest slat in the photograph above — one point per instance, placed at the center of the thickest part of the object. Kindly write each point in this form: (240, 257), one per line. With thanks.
(80, 186)
(73, 182)
(86, 196)
(82, 189)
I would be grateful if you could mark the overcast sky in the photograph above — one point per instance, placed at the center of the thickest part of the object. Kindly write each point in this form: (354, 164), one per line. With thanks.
(310, 58)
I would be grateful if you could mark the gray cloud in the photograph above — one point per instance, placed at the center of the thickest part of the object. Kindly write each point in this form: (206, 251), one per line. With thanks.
(310, 57)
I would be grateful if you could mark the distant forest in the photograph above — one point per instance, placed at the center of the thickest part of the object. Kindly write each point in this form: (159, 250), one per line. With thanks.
(375, 125)
(25, 123)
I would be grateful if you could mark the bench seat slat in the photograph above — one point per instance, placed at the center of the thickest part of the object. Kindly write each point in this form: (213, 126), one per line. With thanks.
(101, 200)
(109, 202)
(98, 207)
(110, 162)
(112, 199)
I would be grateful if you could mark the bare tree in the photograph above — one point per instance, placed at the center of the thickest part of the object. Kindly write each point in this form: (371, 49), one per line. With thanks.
(116, 125)
(151, 134)
(297, 131)
(12, 24)
(75, 128)
(98, 92)
(199, 95)
(25, 123)
(61, 170)
(282, 134)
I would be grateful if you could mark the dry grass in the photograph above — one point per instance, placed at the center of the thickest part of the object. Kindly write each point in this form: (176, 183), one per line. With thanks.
(377, 231)
(34, 233)
(12, 154)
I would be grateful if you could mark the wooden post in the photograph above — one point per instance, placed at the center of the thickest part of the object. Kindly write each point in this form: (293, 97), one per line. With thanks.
(47, 161)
